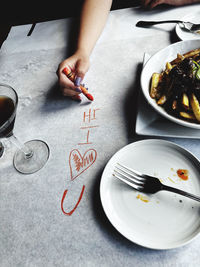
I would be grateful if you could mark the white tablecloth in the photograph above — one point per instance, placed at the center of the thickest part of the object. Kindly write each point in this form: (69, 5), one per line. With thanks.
(34, 229)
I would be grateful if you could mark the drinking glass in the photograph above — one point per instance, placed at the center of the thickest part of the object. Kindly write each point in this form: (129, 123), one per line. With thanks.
(31, 156)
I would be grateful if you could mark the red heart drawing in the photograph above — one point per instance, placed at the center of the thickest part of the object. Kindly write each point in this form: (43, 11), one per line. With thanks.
(78, 163)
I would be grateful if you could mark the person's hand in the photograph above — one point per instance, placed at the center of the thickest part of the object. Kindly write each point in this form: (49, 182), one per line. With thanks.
(154, 3)
(79, 64)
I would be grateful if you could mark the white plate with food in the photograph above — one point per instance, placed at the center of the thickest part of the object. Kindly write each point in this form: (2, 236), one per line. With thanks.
(159, 221)
(170, 82)
(183, 34)
(151, 123)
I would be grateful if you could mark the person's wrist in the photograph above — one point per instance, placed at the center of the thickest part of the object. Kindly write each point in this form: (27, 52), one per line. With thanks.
(83, 52)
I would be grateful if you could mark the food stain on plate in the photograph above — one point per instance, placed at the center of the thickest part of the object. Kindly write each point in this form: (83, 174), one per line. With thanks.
(142, 198)
(179, 175)
(183, 174)
(171, 180)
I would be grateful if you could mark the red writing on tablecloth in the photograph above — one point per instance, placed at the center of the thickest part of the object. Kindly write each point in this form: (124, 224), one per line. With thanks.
(63, 197)
(79, 163)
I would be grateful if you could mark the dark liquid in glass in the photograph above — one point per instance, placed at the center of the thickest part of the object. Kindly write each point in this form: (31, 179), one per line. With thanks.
(7, 108)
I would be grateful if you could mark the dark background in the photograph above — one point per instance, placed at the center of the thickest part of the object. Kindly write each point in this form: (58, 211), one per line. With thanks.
(14, 13)
(24, 12)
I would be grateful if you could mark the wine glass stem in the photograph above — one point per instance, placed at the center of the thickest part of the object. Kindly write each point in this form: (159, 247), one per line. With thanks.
(27, 152)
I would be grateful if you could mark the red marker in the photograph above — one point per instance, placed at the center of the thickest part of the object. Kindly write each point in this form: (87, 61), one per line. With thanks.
(71, 76)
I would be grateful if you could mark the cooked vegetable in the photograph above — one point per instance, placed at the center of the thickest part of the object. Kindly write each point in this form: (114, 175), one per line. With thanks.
(187, 115)
(192, 53)
(185, 101)
(168, 67)
(162, 100)
(195, 106)
(198, 74)
(177, 88)
(154, 84)
(174, 105)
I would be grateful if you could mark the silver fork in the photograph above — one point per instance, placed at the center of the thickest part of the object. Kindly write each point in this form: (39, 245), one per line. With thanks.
(189, 26)
(145, 183)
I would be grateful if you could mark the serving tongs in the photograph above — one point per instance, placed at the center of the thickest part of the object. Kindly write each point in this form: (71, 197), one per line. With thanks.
(188, 26)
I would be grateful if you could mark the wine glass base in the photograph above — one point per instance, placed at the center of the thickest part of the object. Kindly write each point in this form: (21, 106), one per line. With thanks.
(1, 149)
(33, 164)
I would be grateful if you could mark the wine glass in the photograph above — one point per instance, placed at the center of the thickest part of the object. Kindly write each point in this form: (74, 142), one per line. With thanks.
(31, 156)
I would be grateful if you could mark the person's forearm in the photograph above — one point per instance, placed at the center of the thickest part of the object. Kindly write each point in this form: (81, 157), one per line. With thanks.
(194, 1)
(185, 2)
(154, 3)
(93, 18)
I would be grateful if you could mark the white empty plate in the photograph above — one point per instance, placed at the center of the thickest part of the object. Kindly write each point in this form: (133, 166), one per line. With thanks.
(159, 221)
(185, 35)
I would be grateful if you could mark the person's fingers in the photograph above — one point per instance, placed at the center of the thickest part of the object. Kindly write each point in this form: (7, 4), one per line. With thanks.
(155, 3)
(82, 67)
(72, 94)
(66, 84)
(69, 92)
(145, 3)
(64, 81)
(79, 67)
(76, 98)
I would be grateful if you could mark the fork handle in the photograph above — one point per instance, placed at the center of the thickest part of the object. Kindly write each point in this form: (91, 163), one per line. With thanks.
(180, 192)
(143, 23)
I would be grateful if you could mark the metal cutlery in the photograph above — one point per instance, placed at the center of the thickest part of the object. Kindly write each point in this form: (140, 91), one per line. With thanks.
(145, 183)
(189, 26)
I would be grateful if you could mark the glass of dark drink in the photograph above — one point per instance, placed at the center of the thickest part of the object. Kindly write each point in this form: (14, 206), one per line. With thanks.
(31, 156)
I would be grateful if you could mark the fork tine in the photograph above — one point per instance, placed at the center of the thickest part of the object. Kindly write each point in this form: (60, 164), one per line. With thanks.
(133, 172)
(130, 183)
(129, 176)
